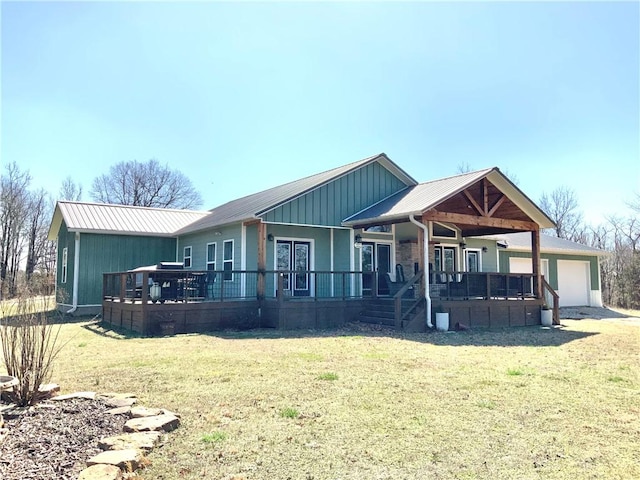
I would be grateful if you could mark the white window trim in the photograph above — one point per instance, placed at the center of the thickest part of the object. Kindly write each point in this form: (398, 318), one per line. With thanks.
(452, 228)
(215, 254)
(392, 245)
(312, 260)
(65, 258)
(225, 260)
(466, 258)
(185, 256)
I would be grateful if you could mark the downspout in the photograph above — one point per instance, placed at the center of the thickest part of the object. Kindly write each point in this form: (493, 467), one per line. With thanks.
(76, 267)
(425, 246)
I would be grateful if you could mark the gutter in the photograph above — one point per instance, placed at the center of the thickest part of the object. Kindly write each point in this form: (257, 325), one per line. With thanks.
(425, 246)
(76, 267)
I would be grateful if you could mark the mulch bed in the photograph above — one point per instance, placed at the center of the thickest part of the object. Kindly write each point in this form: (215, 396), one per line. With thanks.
(55, 439)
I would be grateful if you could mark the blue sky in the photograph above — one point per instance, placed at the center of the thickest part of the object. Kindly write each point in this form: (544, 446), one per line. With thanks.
(242, 97)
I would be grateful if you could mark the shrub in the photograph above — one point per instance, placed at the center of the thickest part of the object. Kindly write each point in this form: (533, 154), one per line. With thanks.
(29, 345)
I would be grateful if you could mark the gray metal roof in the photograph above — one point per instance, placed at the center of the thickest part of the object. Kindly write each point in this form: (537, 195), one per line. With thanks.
(252, 206)
(416, 199)
(427, 195)
(521, 241)
(120, 219)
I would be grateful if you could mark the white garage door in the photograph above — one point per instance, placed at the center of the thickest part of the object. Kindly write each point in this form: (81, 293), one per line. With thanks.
(573, 283)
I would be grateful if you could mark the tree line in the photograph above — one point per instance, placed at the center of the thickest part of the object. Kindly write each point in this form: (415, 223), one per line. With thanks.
(27, 257)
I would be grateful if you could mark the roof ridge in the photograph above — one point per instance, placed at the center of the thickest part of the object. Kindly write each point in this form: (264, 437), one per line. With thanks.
(348, 167)
(137, 207)
(473, 173)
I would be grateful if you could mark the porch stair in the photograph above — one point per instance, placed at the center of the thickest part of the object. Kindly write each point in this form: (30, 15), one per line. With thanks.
(379, 311)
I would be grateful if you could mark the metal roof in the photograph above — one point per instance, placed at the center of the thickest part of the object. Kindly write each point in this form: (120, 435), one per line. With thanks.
(427, 195)
(521, 241)
(416, 199)
(252, 206)
(120, 219)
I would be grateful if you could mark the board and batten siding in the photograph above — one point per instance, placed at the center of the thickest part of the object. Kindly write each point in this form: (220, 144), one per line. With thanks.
(64, 291)
(115, 253)
(329, 204)
(553, 265)
(198, 242)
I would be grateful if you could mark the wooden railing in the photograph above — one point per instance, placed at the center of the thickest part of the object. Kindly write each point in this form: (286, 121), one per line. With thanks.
(548, 290)
(418, 297)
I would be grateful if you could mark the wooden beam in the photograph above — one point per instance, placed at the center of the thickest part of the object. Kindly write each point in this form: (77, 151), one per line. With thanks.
(262, 258)
(495, 207)
(535, 258)
(459, 218)
(252, 222)
(473, 202)
(485, 195)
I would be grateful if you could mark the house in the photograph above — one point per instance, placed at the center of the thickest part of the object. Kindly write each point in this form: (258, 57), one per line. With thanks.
(351, 242)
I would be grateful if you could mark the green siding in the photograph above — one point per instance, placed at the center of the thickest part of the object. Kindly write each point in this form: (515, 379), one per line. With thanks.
(64, 291)
(490, 257)
(115, 253)
(335, 201)
(321, 251)
(103, 254)
(553, 265)
(198, 242)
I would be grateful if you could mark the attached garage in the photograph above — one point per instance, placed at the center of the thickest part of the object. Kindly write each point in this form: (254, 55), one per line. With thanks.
(572, 270)
(573, 283)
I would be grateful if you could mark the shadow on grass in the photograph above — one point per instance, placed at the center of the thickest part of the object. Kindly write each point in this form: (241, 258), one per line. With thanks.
(54, 317)
(108, 331)
(594, 313)
(506, 337)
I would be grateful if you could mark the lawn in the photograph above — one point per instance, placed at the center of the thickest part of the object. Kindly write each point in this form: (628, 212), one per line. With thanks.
(373, 404)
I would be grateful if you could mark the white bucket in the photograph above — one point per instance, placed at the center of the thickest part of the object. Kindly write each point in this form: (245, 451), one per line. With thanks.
(442, 322)
(546, 318)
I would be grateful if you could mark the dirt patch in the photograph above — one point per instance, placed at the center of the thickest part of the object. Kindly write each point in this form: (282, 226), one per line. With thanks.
(597, 313)
(54, 440)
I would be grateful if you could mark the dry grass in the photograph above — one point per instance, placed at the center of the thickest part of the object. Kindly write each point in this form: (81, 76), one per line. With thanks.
(515, 404)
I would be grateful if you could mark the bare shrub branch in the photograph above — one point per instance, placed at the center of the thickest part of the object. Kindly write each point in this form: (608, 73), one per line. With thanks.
(29, 344)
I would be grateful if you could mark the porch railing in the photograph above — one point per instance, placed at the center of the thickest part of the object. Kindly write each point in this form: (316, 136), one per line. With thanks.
(208, 285)
(160, 286)
(480, 285)
(551, 297)
(404, 311)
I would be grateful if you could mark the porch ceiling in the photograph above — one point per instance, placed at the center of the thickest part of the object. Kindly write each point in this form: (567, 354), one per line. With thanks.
(479, 203)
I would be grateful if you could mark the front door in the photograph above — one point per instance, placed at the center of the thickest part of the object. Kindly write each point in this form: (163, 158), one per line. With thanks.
(293, 255)
(376, 260)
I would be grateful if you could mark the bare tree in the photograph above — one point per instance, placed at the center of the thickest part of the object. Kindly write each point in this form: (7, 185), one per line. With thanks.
(70, 190)
(14, 200)
(36, 232)
(147, 185)
(561, 206)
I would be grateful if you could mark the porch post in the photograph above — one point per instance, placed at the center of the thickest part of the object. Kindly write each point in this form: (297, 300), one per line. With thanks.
(262, 259)
(535, 258)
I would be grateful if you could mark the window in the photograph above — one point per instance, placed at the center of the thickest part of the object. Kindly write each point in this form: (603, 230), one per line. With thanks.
(378, 229)
(211, 256)
(474, 260)
(444, 261)
(186, 259)
(440, 230)
(227, 259)
(65, 253)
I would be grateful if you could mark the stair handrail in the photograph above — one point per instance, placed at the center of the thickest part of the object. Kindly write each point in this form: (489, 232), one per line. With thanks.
(397, 298)
(556, 300)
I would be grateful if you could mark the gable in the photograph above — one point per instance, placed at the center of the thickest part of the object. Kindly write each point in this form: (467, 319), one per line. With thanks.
(329, 204)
